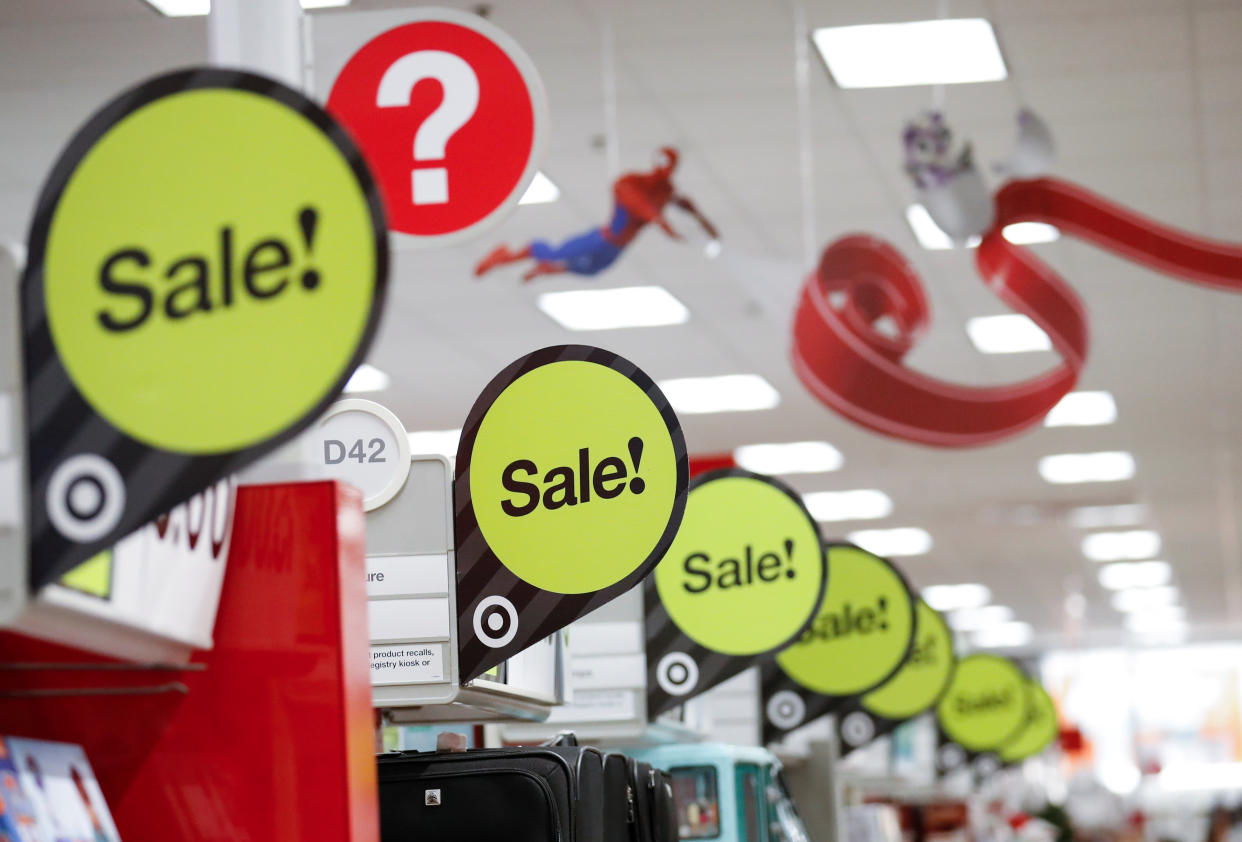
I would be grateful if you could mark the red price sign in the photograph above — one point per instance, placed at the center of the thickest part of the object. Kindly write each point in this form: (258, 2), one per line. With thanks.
(452, 117)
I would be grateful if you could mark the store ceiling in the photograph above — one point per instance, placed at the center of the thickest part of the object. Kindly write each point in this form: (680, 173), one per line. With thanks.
(1144, 97)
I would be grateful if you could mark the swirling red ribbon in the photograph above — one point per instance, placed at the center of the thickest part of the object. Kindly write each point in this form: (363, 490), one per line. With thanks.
(856, 370)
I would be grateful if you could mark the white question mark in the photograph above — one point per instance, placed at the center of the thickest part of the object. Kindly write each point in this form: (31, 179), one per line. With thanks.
(429, 185)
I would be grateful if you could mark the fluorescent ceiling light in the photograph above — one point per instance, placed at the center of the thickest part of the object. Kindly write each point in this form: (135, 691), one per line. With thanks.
(1135, 574)
(925, 52)
(973, 619)
(1082, 409)
(1030, 233)
(904, 540)
(1121, 546)
(367, 378)
(190, 8)
(954, 597)
(795, 457)
(435, 442)
(1097, 517)
(608, 309)
(928, 233)
(1004, 635)
(541, 191)
(1157, 619)
(1106, 466)
(712, 249)
(858, 504)
(1143, 599)
(1168, 636)
(1201, 777)
(726, 393)
(1012, 333)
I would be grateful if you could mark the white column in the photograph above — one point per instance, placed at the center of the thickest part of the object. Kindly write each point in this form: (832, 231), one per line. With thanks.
(263, 36)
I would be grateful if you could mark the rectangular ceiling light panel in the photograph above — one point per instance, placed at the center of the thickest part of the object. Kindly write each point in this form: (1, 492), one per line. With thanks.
(1004, 636)
(795, 457)
(541, 191)
(1099, 517)
(904, 540)
(1121, 546)
(1082, 409)
(954, 597)
(192, 8)
(926, 52)
(1135, 574)
(434, 442)
(1012, 333)
(726, 393)
(973, 619)
(610, 309)
(1105, 466)
(856, 504)
(367, 378)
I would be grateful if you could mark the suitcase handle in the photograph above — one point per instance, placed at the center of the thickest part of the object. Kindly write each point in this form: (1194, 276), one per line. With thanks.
(564, 738)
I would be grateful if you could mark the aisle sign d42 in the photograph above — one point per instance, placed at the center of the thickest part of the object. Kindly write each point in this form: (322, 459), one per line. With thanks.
(365, 444)
(744, 577)
(452, 116)
(207, 267)
(571, 483)
(863, 633)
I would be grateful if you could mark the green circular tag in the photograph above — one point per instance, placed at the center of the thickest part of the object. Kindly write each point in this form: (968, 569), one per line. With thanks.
(986, 704)
(925, 675)
(575, 470)
(213, 261)
(1041, 730)
(746, 572)
(863, 631)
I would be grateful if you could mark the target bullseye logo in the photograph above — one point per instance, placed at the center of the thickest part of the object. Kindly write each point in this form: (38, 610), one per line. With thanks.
(85, 497)
(786, 709)
(951, 756)
(677, 673)
(857, 728)
(495, 621)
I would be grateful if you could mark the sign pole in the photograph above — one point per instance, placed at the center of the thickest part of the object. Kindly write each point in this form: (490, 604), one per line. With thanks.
(264, 36)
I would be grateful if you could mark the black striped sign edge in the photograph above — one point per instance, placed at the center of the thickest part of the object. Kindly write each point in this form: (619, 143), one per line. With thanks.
(192, 472)
(663, 635)
(480, 572)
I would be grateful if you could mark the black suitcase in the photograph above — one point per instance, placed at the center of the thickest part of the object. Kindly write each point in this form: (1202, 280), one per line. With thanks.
(652, 816)
(552, 793)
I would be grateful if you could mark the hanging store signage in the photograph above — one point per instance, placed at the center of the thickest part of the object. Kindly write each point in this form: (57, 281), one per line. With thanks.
(207, 265)
(570, 486)
(863, 633)
(916, 687)
(452, 116)
(744, 577)
(987, 703)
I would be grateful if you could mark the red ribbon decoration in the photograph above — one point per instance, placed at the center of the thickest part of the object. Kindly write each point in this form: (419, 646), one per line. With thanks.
(858, 371)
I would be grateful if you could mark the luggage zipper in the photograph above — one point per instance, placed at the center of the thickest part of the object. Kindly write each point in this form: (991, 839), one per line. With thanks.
(631, 808)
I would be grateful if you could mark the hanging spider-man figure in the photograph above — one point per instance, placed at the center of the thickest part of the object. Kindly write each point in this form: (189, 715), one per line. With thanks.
(638, 198)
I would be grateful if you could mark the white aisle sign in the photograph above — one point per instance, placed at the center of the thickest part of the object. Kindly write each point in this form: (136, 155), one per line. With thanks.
(365, 445)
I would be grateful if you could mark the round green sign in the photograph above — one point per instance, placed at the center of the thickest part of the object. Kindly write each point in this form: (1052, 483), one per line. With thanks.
(575, 470)
(864, 629)
(987, 703)
(925, 675)
(1042, 727)
(746, 572)
(213, 262)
